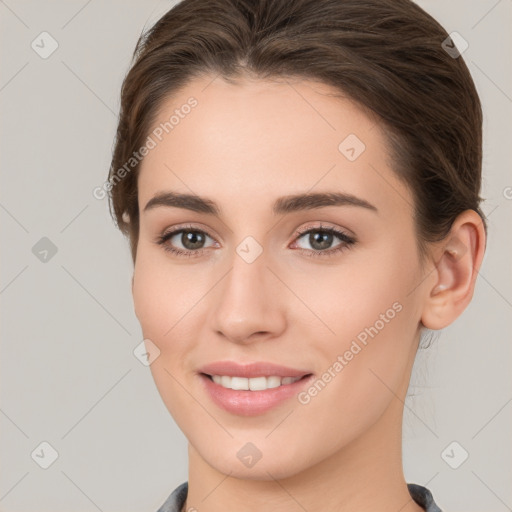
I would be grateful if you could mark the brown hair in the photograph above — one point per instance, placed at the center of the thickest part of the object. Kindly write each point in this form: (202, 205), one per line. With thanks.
(386, 55)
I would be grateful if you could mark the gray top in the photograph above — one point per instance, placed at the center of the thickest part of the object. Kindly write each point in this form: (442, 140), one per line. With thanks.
(421, 495)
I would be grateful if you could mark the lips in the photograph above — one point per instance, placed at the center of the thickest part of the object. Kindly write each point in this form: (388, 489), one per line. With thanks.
(251, 389)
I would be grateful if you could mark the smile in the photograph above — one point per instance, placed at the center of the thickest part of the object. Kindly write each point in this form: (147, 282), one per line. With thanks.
(254, 383)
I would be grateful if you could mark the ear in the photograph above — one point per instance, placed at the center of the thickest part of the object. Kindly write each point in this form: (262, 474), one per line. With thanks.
(458, 258)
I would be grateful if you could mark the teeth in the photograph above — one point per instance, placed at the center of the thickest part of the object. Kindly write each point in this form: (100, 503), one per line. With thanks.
(254, 383)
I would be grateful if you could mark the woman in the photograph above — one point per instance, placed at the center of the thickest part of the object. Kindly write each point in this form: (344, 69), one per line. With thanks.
(299, 181)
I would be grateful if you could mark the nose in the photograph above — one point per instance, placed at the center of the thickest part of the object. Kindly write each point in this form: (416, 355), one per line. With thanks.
(249, 303)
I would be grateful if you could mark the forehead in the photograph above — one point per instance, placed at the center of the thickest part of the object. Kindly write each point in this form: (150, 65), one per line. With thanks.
(258, 139)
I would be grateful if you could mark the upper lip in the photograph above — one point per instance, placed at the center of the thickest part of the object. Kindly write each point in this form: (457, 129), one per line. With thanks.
(257, 369)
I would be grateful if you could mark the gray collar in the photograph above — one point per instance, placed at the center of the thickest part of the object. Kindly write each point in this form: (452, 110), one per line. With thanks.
(421, 495)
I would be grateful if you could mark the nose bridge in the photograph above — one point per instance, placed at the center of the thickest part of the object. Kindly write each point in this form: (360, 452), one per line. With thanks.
(246, 302)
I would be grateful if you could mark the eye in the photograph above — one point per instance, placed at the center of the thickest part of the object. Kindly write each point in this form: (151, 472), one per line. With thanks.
(191, 239)
(320, 239)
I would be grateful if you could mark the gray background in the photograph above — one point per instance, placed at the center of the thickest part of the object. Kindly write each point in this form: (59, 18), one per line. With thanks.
(68, 373)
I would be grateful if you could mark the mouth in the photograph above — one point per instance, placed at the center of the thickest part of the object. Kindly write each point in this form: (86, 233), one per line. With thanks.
(252, 396)
(261, 383)
(252, 388)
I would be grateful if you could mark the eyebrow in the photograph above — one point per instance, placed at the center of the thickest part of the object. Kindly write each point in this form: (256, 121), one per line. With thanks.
(282, 205)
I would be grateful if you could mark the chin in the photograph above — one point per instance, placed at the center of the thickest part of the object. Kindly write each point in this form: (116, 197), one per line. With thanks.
(271, 466)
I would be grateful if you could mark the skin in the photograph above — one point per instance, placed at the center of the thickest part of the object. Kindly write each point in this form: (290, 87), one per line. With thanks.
(243, 146)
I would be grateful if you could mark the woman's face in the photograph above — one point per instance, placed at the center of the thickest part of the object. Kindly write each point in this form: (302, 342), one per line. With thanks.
(251, 287)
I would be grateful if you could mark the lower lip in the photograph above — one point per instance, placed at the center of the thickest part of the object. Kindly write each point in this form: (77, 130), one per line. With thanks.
(251, 403)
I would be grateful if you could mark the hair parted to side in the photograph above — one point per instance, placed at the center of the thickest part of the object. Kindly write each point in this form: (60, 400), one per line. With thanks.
(385, 55)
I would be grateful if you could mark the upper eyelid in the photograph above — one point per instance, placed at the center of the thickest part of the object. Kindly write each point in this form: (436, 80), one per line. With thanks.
(321, 227)
(178, 229)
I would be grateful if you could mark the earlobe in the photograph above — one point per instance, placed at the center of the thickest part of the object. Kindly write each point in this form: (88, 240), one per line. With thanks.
(453, 281)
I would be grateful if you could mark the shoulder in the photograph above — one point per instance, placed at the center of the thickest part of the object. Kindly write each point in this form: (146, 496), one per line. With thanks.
(423, 497)
(176, 499)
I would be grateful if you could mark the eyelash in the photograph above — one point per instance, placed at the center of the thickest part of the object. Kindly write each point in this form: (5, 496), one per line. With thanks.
(346, 240)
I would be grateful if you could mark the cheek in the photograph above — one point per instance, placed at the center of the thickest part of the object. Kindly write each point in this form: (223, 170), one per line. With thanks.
(149, 300)
(163, 294)
(368, 290)
(372, 319)
(161, 298)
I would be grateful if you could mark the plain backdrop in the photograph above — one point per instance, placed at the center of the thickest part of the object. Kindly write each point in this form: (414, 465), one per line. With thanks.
(68, 374)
